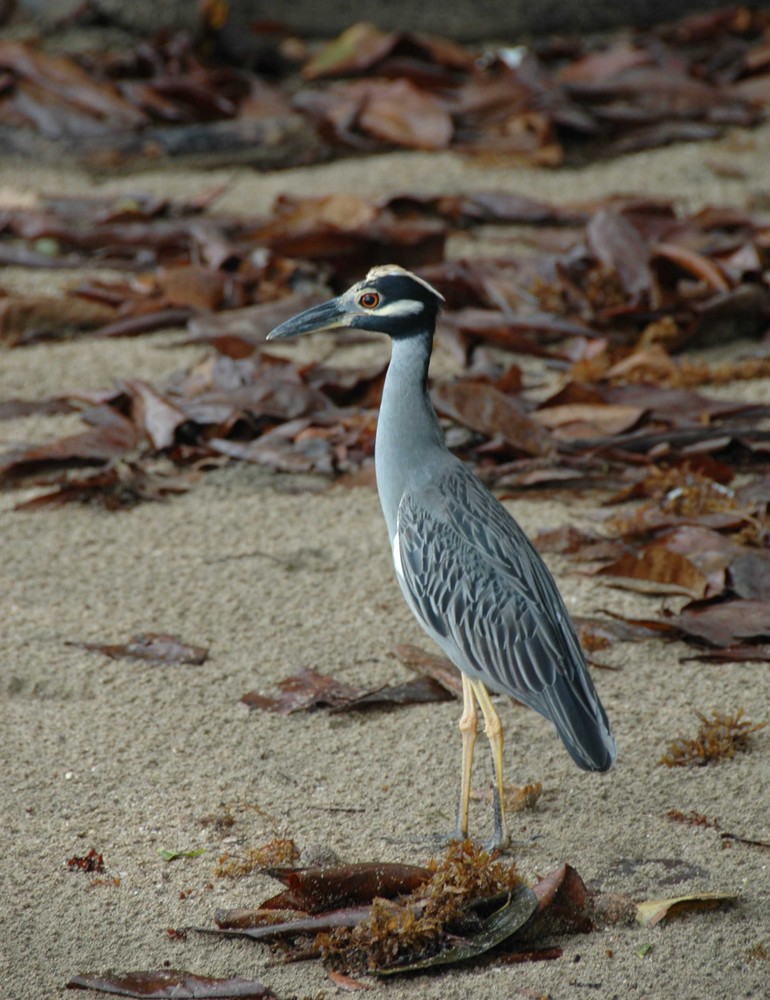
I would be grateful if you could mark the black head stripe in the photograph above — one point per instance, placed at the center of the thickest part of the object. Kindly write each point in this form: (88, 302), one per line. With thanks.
(394, 287)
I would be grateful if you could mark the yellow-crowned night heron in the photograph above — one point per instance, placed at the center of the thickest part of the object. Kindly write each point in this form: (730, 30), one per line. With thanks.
(467, 570)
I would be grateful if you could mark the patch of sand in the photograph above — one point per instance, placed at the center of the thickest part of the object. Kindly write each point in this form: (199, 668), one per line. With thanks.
(129, 757)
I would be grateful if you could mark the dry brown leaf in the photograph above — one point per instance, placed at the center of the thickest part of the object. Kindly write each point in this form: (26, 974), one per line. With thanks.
(152, 646)
(485, 409)
(652, 911)
(310, 690)
(563, 901)
(694, 263)
(357, 49)
(618, 246)
(750, 575)
(316, 889)
(170, 984)
(96, 446)
(657, 570)
(585, 420)
(398, 112)
(437, 667)
(193, 285)
(605, 64)
(726, 623)
(156, 416)
(24, 319)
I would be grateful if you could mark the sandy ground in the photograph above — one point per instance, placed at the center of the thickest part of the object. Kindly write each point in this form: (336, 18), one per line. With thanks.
(128, 758)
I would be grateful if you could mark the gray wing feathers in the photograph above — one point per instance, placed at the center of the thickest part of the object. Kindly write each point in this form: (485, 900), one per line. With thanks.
(481, 590)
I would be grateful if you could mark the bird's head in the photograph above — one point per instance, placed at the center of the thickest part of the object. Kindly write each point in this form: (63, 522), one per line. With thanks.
(389, 300)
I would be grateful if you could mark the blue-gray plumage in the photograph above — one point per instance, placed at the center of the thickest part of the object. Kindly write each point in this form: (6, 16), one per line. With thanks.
(480, 589)
(467, 570)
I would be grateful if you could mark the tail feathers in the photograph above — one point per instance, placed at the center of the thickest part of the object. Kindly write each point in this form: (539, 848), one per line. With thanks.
(582, 724)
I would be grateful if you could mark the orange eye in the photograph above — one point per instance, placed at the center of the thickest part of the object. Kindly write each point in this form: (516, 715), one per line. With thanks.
(369, 300)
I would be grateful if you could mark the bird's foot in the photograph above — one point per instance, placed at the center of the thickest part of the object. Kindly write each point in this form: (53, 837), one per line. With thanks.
(506, 844)
(500, 842)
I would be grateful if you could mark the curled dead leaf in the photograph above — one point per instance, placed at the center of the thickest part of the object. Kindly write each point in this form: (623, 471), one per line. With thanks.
(650, 912)
(170, 984)
(486, 409)
(400, 113)
(585, 420)
(657, 570)
(316, 889)
(152, 646)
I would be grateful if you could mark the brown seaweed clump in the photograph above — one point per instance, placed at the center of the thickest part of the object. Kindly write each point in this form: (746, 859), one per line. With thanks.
(719, 737)
(420, 925)
(277, 852)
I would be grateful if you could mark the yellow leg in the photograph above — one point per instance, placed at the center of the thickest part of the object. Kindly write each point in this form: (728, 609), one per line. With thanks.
(494, 730)
(469, 722)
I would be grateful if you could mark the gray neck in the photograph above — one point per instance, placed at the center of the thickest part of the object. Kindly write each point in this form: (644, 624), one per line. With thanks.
(409, 437)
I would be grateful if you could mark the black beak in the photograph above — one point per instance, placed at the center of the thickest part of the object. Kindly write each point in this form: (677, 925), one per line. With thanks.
(328, 316)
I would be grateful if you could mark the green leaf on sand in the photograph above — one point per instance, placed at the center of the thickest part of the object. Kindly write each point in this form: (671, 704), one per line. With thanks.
(168, 855)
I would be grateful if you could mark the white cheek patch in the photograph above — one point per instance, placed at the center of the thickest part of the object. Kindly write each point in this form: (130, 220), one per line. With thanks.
(403, 307)
(396, 549)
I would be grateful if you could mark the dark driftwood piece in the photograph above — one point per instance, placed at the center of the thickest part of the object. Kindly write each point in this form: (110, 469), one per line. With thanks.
(265, 144)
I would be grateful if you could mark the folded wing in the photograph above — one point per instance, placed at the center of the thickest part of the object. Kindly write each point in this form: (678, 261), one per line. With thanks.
(481, 590)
